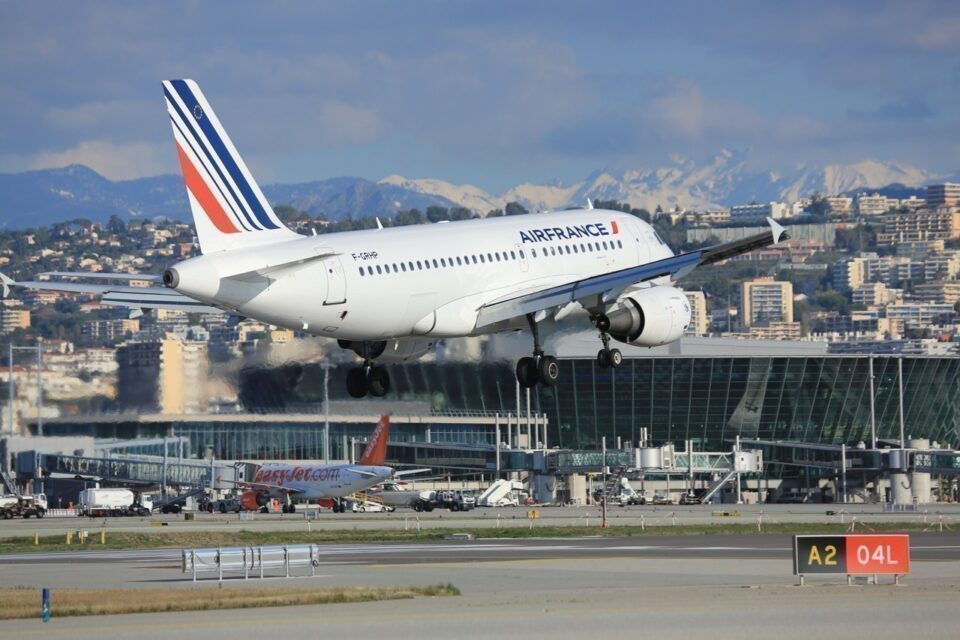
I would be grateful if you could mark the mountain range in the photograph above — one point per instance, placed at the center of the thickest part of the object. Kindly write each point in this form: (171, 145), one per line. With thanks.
(52, 195)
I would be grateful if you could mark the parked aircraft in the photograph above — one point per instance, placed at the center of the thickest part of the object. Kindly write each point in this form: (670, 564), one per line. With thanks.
(324, 484)
(389, 294)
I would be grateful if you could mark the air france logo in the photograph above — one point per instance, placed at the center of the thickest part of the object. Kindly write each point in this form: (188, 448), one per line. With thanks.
(548, 234)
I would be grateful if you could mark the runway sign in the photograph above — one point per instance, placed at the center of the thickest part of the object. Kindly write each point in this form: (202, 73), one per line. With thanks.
(852, 554)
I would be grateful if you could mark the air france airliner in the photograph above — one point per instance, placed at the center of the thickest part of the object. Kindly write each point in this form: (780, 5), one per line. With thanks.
(389, 294)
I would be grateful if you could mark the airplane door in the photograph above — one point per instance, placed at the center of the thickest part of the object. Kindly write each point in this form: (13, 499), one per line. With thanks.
(336, 281)
(524, 265)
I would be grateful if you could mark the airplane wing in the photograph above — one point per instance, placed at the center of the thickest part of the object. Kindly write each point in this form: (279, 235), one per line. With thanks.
(135, 298)
(609, 286)
(264, 486)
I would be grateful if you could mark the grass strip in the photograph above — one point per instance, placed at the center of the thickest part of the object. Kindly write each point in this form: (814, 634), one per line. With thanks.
(25, 602)
(197, 539)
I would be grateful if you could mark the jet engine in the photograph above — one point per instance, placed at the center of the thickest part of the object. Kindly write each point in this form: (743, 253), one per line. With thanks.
(650, 317)
(253, 500)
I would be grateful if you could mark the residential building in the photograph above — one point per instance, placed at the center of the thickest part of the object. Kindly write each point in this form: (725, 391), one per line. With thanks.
(938, 292)
(13, 319)
(943, 195)
(840, 205)
(765, 300)
(851, 273)
(876, 293)
(699, 322)
(922, 224)
(166, 374)
(110, 330)
(754, 211)
(921, 314)
(875, 204)
(776, 331)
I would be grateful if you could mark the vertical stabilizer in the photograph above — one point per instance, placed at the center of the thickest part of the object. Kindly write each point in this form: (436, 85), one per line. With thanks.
(376, 452)
(229, 209)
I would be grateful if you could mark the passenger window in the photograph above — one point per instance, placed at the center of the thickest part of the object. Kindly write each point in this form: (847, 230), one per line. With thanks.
(403, 267)
(620, 244)
(567, 249)
(521, 254)
(481, 258)
(604, 245)
(583, 248)
(489, 257)
(498, 256)
(378, 270)
(575, 248)
(443, 262)
(419, 266)
(533, 252)
(361, 271)
(513, 255)
(474, 259)
(395, 270)
(458, 261)
(411, 265)
(435, 265)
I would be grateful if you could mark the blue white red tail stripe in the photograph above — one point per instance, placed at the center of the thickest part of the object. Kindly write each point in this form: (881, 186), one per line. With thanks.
(229, 209)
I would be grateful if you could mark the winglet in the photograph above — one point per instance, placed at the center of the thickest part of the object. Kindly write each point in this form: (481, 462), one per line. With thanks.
(7, 282)
(379, 224)
(589, 204)
(779, 233)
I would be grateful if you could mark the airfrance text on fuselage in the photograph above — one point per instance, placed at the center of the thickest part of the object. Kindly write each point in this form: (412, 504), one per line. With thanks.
(549, 234)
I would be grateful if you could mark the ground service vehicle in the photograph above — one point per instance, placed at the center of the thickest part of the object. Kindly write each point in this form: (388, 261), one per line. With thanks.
(24, 507)
(100, 503)
(443, 500)
(225, 505)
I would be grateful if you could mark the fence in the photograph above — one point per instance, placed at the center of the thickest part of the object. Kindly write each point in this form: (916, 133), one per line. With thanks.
(250, 561)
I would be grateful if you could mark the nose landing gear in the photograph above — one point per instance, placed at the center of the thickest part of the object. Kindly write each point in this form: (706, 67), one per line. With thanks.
(539, 368)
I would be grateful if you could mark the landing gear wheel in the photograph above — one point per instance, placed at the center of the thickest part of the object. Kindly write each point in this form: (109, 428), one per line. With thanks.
(616, 358)
(603, 359)
(549, 371)
(527, 372)
(378, 382)
(357, 385)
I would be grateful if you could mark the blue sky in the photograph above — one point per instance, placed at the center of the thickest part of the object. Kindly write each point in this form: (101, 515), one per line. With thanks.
(487, 93)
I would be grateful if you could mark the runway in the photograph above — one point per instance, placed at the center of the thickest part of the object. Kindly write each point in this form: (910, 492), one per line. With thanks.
(666, 586)
(924, 546)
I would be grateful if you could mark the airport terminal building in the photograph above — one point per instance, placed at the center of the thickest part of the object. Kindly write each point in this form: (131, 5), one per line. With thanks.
(704, 390)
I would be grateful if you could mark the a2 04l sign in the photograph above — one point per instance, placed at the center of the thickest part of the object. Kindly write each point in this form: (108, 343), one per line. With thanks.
(852, 554)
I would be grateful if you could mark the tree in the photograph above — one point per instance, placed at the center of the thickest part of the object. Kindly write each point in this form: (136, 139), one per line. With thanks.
(116, 225)
(515, 209)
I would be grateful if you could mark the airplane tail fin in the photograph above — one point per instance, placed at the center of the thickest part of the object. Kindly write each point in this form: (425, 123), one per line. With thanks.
(229, 209)
(375, 453)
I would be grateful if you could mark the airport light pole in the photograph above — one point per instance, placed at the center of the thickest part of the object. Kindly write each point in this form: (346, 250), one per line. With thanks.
(603, 495)
(900, 381)
(326, 412)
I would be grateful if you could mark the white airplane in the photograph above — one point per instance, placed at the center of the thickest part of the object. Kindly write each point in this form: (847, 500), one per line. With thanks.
(324, 484)
(389, 294)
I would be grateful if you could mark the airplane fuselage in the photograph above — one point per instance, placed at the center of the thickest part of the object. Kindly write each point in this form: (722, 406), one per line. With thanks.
(416, 281)
(319, 482)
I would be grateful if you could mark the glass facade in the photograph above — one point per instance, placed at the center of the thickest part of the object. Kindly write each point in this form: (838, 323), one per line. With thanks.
(709, 400)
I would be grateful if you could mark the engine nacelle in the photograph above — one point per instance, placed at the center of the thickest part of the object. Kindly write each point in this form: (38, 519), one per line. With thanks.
(253, 500)
(390, 351)
(650, 317)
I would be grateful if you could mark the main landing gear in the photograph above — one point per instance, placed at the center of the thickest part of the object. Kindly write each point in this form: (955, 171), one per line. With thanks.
(539, 368)
(369, 378)
(607, 358)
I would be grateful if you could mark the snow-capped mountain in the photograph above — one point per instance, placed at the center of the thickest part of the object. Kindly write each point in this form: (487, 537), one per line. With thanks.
(721, 181)
(53, 195)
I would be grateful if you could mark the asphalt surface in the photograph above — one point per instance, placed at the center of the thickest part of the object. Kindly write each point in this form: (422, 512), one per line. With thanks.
(658, 586)
(929, 546)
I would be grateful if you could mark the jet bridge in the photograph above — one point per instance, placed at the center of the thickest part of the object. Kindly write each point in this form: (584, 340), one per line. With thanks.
(135, 470)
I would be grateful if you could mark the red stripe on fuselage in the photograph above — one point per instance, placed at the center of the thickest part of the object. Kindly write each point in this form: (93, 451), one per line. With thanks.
(204, 196)
(614, 227)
